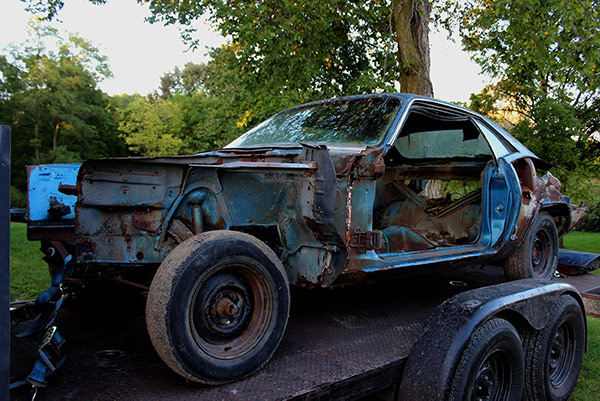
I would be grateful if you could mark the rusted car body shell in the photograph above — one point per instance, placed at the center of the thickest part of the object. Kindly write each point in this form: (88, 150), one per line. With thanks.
(312, 204)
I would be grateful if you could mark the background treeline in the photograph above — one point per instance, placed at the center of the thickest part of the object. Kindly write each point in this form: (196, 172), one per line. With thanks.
(542, 55)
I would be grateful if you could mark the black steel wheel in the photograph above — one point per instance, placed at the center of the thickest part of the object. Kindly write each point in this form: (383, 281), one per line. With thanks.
(491, 367)
(218, 307)
(553, 355)
(537, 256)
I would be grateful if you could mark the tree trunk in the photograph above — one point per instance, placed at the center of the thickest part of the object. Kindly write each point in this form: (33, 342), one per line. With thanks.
(411, 23)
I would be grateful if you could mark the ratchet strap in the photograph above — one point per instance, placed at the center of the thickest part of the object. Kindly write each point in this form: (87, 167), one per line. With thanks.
(50, 353)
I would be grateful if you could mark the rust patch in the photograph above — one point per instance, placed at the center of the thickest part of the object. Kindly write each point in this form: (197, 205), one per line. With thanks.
(125, 233)
(179, 231)
(67, 189)
(147, 220)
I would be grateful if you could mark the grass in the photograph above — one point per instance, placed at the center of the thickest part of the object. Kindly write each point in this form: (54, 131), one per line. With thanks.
(588, 385)
(584, 242)
(29, 276)
(28, 272)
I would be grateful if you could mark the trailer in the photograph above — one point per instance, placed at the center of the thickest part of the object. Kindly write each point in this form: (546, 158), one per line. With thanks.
(326, 195)
(406, 341)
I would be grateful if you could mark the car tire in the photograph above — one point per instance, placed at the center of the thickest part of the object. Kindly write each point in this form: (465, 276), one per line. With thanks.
(491, 366)
(554, 355)
(537, 256)
(218, 307)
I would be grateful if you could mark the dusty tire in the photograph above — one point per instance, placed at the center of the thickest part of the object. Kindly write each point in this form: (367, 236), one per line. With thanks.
(537, 256)
(491, 366)
(218, 307)
(553, 355)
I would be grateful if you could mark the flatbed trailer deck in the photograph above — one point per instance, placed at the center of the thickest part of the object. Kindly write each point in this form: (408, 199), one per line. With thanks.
(343, 343)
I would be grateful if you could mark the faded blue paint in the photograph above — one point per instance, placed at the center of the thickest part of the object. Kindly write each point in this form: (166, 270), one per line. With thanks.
(504, 201)
(43, 186)
(421, 258)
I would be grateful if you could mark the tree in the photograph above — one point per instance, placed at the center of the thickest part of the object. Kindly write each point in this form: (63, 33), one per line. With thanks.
(214, 105)
(411, 25)
(544, 55)
(327, 46)
(188, 80)
(152, 127)
(49, 96)
(321, 49)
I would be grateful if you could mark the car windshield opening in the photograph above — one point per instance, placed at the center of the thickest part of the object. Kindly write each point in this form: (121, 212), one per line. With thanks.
(353, 121)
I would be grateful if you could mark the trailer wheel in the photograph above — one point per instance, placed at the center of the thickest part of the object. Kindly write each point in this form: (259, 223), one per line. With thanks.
(537, 256)
(553, 355)
(491, 367)
(218, 307)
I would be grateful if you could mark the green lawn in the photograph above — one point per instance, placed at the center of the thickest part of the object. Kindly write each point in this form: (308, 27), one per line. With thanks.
(28, 272)
(29, 276)
(584, 242)
(588, 385)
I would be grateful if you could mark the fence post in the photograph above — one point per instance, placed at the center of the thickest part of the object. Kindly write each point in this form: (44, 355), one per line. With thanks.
(4, 260)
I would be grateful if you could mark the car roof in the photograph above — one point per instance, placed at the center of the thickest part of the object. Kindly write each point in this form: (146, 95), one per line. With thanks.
(410, 99)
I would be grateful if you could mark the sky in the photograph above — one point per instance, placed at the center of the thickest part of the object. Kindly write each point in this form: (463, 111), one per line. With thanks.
(139, 52)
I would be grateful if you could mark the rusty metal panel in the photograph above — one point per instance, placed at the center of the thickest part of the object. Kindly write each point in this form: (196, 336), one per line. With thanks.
(129, 184)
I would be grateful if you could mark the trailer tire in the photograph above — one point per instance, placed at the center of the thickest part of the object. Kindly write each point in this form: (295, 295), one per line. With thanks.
(491, 366)
(537, 256)
(218, 307)
(554, 354)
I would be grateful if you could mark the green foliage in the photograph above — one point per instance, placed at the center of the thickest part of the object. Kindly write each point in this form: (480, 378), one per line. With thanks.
(152, 127)
(214, 102)
(592, 222)
(544, 54)
(330, 48)
(48, 95)
(189, 80)
(47, 10)
(17, 197)
(542, 44)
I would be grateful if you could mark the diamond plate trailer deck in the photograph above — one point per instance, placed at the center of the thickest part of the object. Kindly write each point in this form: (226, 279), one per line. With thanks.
(337, 346)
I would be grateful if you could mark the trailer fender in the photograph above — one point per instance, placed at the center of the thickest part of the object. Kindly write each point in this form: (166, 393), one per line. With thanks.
(433, 361)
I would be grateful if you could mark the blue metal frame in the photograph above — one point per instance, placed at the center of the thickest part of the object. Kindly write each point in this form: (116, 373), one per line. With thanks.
(44, 181)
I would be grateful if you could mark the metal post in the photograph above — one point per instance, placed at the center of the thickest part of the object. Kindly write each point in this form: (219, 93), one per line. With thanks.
(4, 260)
